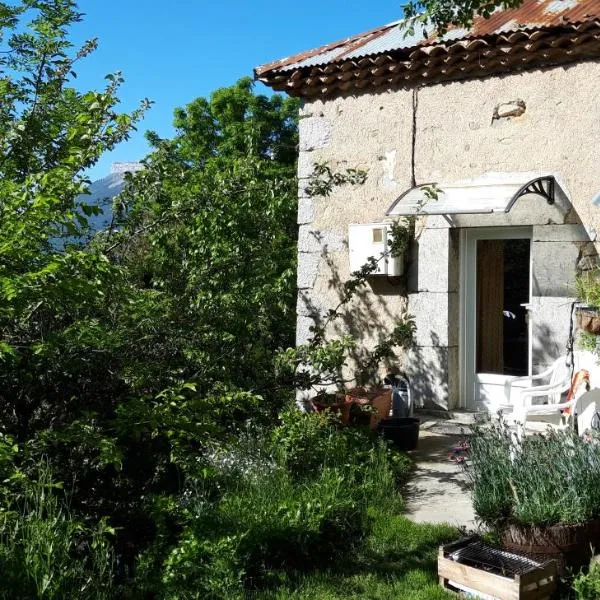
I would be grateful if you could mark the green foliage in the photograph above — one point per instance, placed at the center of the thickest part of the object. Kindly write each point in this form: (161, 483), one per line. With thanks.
(542, 480)
(401, 237)
(46, 553)
(324, 179)
(587, 585)
(135, 362)
(124, 358)
(587, 341)
(398, 560)
(304, 445)
(210, 233)
(202, 568)
(443, 13)
(587, 286)
(298, 500)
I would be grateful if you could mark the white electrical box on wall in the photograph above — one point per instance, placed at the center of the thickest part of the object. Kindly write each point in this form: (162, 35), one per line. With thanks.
(372, 240)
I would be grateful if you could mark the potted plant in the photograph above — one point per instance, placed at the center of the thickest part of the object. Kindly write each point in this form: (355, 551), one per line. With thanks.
(541, 493)
(335, 402)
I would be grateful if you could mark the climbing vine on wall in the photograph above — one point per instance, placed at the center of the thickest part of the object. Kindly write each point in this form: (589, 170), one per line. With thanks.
(320, 361)
(323, 179)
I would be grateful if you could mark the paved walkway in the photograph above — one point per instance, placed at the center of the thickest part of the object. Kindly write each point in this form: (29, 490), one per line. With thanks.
(437, 491)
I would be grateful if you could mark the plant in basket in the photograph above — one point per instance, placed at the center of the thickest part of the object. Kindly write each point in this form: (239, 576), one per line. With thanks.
(542, 493)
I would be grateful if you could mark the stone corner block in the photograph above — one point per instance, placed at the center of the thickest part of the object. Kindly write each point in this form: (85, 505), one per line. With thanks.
(308, 264)
(306, 210)
(315, 133)
(323, 241)
(303, 332)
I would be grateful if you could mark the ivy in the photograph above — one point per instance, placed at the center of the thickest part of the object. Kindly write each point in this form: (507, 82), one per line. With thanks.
(323, 180)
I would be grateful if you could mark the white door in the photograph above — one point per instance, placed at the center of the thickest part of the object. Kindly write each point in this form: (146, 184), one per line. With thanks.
(495, 323)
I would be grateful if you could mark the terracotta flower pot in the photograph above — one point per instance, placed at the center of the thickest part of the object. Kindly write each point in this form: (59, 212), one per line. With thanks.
(379, 398)
(588, 319)
(570, 545)
(336, 403)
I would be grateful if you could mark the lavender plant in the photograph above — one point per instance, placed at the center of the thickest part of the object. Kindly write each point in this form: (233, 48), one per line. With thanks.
(542, 480)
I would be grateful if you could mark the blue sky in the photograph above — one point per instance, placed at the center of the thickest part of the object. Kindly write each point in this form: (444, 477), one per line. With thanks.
(173, 52)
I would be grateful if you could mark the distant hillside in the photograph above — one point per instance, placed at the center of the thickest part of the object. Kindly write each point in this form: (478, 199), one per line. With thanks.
(102, 192)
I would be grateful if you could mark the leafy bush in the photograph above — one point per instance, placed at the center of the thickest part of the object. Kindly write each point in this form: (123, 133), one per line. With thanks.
(541, 480)
(289, 501)
(46, 553)
(260, 527)
(587, 286)
(203, 568)
(309, 442)
(315, 440)
(587, 585)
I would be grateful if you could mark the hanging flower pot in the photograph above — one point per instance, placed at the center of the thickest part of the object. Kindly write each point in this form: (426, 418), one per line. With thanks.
(588, 319)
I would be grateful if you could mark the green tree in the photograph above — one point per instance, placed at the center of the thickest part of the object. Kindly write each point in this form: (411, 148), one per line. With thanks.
(460, 13)
(123, 358)
(215, 212)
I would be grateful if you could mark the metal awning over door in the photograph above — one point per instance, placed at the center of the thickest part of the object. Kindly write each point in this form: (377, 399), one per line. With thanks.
(485, 195)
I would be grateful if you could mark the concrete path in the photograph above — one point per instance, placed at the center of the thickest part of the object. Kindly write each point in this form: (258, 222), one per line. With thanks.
(437, 491)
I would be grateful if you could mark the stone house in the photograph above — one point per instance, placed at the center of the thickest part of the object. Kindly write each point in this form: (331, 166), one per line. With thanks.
(505, 119)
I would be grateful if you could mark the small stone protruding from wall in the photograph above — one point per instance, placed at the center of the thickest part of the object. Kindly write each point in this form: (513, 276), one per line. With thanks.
(508, 110)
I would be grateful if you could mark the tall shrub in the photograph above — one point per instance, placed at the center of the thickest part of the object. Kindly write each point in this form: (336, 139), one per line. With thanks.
(122, 359)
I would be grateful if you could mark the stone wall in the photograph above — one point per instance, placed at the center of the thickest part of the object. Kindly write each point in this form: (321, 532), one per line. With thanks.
(538, 121)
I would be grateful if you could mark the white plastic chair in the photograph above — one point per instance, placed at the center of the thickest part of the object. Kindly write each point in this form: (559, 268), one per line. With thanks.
(557, 377)
(545, 400)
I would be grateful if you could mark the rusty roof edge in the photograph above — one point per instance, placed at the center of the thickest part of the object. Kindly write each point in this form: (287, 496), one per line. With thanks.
(290, 60)
(397, 53)
(278, 67)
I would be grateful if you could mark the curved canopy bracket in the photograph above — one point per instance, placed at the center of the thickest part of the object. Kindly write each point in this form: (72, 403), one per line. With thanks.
(542, 186)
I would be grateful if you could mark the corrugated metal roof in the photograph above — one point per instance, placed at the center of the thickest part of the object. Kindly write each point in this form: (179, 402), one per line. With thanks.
(533, 14)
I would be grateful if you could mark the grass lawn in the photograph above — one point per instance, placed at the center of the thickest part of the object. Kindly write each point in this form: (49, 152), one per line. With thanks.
(398, 560)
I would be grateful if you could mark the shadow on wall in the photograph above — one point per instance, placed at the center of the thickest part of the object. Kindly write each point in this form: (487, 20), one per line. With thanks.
(369, 320)
(429, 372)
(547, 348)
(376, 308)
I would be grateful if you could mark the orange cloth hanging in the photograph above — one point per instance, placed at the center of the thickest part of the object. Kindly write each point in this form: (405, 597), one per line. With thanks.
(579, 379)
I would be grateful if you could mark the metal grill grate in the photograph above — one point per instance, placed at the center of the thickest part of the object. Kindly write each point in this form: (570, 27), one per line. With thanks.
(478, 555)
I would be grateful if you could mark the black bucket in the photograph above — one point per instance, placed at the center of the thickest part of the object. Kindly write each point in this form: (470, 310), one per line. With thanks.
(402, 432)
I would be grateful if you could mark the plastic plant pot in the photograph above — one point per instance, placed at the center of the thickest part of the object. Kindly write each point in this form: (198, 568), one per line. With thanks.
(402, 432)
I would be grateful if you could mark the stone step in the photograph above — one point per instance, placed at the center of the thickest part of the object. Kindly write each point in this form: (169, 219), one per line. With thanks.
(456, 422)
(464, 417)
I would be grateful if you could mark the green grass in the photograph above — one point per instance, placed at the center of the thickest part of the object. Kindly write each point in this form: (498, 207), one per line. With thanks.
(399, 560)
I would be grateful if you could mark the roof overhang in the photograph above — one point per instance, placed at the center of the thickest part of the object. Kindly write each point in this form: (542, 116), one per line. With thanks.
(539, 32)
(485, 195)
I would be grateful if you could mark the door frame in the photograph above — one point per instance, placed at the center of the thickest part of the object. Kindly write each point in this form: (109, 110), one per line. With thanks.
(468, 301)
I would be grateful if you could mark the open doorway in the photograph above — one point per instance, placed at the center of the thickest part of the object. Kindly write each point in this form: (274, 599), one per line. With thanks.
(495, 296)
(501, 306)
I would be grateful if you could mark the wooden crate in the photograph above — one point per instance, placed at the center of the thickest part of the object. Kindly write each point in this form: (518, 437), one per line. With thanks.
(537, 583)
